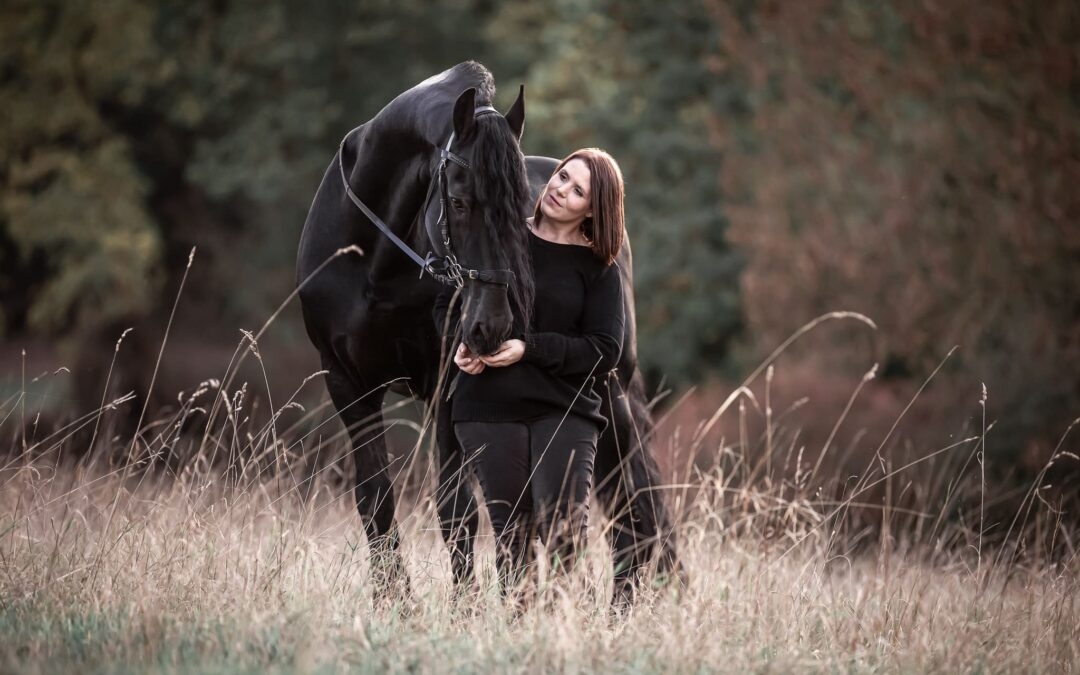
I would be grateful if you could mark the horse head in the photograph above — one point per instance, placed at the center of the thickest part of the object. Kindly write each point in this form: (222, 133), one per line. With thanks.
(481, 216)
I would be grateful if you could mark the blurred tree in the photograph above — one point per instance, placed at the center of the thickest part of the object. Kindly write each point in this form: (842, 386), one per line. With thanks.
(915, 163)
(72, 201)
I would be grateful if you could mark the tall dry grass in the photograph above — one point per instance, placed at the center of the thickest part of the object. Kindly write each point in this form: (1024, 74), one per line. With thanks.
(216, 539)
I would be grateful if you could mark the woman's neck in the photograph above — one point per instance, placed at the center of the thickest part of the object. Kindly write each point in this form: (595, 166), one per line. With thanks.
(560, 233)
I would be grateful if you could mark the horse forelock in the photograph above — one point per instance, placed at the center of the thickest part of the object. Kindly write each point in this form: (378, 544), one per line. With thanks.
(502, 190)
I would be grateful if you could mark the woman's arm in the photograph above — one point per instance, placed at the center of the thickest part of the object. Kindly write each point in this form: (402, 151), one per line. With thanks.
(598, 348)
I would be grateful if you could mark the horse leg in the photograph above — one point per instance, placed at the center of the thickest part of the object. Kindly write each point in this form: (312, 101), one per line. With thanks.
(373, 488)
(458, 515)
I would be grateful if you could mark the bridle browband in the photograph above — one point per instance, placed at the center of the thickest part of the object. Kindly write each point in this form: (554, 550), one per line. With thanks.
(444, 269)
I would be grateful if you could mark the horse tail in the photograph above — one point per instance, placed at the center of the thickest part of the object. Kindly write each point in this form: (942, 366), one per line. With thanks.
(645, 477)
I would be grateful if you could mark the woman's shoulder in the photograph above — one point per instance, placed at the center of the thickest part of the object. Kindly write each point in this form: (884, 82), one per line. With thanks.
(598, 270)
(603, 278)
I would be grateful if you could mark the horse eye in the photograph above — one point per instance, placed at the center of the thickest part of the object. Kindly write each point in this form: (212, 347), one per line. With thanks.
(457, 203)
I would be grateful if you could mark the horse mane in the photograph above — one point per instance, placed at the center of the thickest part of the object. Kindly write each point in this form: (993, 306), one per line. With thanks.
(502, 191)
(476, 75)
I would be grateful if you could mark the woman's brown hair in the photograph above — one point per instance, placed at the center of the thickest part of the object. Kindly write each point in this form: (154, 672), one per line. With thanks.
(606, 229)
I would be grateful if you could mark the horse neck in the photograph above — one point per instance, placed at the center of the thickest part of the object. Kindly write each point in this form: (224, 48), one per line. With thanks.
(390, 172)
(396, 152)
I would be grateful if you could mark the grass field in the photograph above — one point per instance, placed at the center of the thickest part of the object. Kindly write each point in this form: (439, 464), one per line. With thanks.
(107, 568)
(240, 550)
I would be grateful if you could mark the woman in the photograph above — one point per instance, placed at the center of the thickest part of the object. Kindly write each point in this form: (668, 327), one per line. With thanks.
(528, 415)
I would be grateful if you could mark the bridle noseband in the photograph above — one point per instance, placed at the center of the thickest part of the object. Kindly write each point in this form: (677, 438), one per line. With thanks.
(445, 269)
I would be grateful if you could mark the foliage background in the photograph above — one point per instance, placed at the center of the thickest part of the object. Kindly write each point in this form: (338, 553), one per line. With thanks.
(913, 161)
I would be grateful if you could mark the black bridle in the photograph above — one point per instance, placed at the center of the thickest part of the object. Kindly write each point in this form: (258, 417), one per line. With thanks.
(444, 269)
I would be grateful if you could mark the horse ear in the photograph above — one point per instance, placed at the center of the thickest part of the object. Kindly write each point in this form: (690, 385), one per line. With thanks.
(464, 113)
(516, 116)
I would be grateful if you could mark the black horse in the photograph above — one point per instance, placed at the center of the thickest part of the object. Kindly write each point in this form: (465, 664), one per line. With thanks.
(370, 316)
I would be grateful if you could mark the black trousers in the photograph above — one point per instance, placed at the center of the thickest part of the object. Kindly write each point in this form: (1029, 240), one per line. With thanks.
(536, 477)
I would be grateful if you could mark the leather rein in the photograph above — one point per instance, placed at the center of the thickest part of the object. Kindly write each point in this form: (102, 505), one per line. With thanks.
(444, 269)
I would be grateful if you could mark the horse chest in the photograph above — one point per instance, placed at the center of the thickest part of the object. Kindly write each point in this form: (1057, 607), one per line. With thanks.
(388, 336)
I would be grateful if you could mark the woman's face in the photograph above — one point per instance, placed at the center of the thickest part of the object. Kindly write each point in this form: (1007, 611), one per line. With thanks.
(566, 196)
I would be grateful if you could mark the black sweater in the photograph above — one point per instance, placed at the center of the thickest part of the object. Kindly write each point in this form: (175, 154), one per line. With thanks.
(575, 339)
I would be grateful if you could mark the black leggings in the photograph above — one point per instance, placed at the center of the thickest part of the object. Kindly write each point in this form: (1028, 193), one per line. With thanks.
(536, 478)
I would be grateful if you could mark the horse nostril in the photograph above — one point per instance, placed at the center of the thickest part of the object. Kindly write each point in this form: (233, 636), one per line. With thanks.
(479, 332)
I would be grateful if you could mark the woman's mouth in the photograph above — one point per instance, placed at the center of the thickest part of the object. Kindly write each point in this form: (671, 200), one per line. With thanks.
(553, 200)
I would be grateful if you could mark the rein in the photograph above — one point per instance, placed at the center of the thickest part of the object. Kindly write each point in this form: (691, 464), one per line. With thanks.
(444, 269)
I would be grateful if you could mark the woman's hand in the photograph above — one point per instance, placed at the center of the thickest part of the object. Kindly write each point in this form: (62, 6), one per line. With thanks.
(467, 361)
(508, 352)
